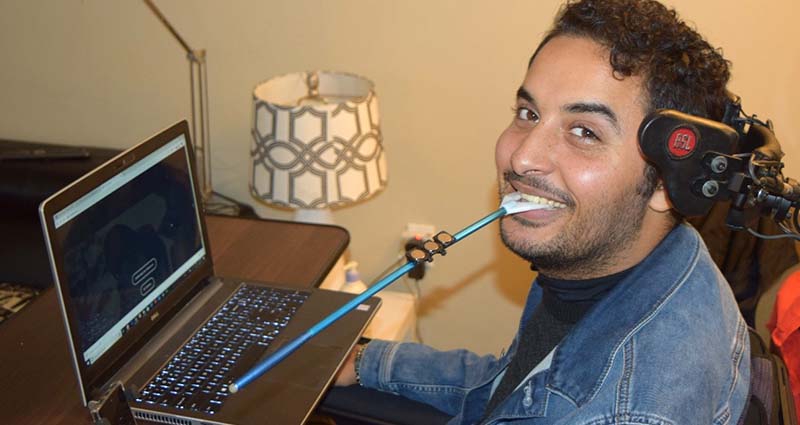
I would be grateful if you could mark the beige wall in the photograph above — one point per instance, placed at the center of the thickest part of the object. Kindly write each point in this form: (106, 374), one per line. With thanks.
(106, 73)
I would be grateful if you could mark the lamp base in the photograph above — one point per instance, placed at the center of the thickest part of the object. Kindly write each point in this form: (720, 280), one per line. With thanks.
(336, 278)
(316, 215)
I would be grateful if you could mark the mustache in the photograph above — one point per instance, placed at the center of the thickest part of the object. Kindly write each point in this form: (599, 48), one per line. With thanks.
(541, 184)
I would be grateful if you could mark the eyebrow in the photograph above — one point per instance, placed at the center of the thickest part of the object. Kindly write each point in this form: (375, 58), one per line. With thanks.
(523, 94)
(594, 108)
(579, 108)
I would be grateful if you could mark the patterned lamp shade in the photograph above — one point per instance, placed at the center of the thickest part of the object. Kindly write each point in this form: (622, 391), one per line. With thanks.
(316, 141)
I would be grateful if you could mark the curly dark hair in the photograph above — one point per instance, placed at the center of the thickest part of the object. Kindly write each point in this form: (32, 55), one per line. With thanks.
(681, 70)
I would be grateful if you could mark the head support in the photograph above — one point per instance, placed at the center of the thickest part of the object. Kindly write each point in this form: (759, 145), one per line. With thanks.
(701, 161)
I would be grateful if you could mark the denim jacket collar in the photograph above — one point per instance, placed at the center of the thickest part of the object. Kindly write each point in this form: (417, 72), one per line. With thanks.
(582, 360)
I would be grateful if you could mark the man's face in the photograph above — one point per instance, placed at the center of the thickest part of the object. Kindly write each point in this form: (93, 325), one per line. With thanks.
(573, 140)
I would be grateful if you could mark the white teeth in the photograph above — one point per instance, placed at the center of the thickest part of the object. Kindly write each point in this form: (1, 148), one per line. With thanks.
(543, 201)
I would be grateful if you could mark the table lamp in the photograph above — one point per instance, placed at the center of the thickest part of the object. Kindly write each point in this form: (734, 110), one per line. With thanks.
(316, 143)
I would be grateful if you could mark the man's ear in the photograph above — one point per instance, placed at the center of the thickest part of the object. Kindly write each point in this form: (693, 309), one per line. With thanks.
(659, 201)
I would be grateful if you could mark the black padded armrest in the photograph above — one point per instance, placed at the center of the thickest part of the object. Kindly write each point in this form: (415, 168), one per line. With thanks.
(356, 405)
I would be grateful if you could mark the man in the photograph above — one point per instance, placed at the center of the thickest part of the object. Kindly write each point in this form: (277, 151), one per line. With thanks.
(629, 321)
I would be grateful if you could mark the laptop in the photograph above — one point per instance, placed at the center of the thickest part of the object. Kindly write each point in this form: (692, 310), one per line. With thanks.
(130, 258)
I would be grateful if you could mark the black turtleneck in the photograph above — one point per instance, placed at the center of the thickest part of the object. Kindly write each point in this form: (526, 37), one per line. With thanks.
(564, 303)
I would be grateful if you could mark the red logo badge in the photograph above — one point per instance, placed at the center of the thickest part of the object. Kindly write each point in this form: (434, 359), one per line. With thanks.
(681, 143)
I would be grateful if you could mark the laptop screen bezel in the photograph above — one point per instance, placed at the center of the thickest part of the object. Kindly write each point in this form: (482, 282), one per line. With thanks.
(92, 377)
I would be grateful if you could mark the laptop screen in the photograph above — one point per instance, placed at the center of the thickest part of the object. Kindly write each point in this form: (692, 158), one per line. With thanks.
(125, 245)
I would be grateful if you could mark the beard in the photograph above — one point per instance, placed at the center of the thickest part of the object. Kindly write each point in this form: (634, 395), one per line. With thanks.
(587, 245)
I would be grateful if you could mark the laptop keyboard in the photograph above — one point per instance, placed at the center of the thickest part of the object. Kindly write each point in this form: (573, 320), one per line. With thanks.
(223, 349)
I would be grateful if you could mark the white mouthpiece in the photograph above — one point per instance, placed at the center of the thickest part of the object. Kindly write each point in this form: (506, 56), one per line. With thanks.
(514, 204)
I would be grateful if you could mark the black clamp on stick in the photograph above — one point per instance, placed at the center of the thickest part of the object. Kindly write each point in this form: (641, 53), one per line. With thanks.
(430, 247)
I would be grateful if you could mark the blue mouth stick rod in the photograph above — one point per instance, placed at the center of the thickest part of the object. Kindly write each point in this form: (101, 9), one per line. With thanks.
(293, 345)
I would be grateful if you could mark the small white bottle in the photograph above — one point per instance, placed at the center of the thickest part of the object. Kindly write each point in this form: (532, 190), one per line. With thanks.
(352, 280)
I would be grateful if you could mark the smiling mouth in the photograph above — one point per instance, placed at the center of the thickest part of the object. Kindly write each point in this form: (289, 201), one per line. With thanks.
(543, 201)
(520, 184)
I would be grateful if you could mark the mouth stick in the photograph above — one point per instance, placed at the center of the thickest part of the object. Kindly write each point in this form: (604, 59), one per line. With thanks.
(512, 204)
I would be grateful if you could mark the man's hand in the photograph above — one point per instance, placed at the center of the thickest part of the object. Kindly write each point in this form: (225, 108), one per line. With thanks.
(347, 374)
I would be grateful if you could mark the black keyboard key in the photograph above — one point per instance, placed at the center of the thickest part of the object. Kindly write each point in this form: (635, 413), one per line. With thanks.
(247, 360)
(201, 401)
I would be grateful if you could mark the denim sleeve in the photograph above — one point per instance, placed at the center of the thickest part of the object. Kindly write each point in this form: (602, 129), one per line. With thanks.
(439, 378)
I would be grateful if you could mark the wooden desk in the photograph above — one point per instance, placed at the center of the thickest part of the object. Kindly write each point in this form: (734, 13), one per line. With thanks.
(38, 384)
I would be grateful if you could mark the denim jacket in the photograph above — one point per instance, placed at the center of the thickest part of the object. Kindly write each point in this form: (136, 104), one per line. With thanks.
(667, 345)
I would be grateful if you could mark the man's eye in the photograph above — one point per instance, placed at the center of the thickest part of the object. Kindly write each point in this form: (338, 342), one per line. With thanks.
(525, 114)
(583, 133)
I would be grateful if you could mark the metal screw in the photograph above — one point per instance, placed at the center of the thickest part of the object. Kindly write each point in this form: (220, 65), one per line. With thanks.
(719, 164)
(710, 188)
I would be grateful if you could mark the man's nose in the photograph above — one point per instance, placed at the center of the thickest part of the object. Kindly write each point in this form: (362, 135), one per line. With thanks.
(535, 151)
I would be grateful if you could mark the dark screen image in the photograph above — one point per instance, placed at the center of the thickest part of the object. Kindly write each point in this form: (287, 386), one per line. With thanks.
(120, 249)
